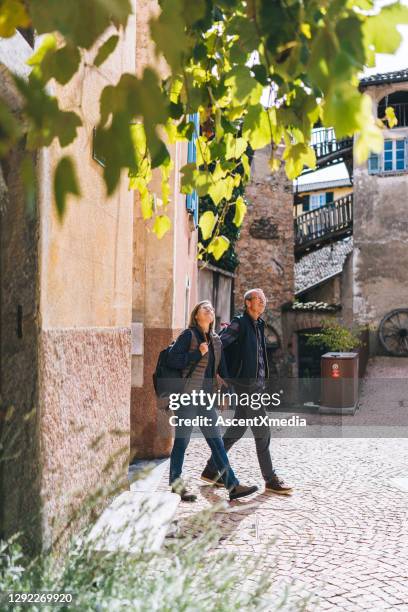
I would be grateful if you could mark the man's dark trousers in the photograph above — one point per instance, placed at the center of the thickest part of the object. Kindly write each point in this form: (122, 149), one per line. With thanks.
(262, 436)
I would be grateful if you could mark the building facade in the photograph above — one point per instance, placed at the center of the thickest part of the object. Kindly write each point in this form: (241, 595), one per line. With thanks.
(380, 254)
(86, 306)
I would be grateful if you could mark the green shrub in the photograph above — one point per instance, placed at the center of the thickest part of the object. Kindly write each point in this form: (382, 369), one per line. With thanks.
(334, 337)
(189, 574)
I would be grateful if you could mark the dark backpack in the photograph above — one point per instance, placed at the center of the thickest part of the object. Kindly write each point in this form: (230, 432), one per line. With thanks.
(167, 380)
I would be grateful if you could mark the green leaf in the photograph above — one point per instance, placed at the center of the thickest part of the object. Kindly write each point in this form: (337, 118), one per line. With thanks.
(246, 166)
(61, 64)
(244, 87)
(207, 223)
(235, 147)
(341, 108)
(203, 151)
(370, 138)
(81, 23)
(106, 49)
(391, 117)
(218, 246)
(168, 32)
(188, 172)
(380, 30)
(45, 119)
(13, 15)
(221, 189)
(65, 183)
(245, 28)
(256, 127)
(240, 211)
(297, 156)
(48, 43)
(161, 226)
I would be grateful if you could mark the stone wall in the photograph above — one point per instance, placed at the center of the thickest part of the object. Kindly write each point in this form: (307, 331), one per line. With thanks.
(380, 260)
(265, 247)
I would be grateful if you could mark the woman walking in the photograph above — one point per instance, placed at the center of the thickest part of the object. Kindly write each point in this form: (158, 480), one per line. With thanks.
(198, 353)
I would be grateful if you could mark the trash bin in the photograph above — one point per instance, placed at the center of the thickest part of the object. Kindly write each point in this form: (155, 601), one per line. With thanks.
(339, 385)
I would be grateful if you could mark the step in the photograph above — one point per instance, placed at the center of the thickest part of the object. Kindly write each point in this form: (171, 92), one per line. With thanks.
(135, 521)
(146, 474)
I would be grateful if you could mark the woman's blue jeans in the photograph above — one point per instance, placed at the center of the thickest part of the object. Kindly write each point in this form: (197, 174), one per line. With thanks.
(213, 438)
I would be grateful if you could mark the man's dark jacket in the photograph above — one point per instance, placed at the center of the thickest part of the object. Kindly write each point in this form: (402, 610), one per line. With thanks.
(240, 344)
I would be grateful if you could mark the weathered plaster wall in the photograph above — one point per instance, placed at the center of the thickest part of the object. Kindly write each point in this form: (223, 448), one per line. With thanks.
(265, 247)
(216, 286)
(85, 306)
(380, 260)
(328, 292)
(164, 281)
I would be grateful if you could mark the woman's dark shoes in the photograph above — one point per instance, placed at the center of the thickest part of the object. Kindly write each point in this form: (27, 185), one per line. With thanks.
(241, 491)
(181, 490)
(213, 478)
(278, 486)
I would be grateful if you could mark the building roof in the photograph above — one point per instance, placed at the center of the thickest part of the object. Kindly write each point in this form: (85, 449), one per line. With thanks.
(381, 78)
(322, 185)
(320, 265)
(314, 307)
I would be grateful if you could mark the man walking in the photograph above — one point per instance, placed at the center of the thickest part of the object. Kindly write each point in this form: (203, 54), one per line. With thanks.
(244, 346)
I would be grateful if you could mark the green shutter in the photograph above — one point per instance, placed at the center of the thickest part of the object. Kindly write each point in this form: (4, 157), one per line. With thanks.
(329, 197)
(306, 203)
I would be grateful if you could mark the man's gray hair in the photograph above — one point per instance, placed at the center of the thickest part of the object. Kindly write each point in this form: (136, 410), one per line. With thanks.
(250, 294)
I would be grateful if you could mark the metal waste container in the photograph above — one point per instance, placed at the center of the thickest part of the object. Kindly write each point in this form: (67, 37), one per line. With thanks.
(339, 386)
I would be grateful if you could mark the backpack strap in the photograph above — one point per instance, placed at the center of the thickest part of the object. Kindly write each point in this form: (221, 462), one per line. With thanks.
(194, 365)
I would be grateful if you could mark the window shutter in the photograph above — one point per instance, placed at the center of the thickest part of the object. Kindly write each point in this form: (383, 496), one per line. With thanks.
(374, 163)
(329, 197)
(192, 199)
(306, 203)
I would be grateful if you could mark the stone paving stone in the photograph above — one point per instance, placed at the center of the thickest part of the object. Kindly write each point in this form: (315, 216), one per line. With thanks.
(342, 537)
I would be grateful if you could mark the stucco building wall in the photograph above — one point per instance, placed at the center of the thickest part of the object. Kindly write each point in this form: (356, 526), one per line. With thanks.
(164, 281)
(380, 258)
(72, 280)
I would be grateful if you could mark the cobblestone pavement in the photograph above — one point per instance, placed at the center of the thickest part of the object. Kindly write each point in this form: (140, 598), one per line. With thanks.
(341, 538)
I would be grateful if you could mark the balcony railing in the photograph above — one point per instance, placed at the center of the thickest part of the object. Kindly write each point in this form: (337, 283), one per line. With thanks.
(325, 143)
(329, 222)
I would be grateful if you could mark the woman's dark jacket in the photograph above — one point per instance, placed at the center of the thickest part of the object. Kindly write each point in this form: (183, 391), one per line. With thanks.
(185, 353)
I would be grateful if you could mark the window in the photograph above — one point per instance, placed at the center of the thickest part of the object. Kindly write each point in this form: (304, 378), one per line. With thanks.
(394, 155)
(393, 159)
(373, 163)
(317, 200)
(192, 198)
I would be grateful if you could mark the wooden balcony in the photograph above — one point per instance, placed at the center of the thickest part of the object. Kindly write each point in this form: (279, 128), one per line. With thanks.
(330, 150)
(317, 227)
